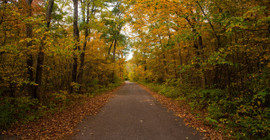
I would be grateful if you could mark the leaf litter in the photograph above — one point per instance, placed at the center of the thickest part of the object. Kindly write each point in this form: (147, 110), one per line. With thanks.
(183, 110)
(59, 125)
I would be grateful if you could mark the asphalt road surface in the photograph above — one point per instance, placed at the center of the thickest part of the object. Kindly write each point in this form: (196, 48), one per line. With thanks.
(133, 114)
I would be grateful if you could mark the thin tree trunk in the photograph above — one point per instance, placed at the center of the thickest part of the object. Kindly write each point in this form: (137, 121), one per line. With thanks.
(114, 49)
(4, 26)
(202, 59)
(164, 58)
(109, 51)
(29, 61)
(40, 60)
(80, 75)
(76, 47)
(212, 27)
(175, 66)
(181, 61)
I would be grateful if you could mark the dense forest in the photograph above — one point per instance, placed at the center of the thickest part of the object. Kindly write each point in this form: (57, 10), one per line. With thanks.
(54, 49)
(213, 54)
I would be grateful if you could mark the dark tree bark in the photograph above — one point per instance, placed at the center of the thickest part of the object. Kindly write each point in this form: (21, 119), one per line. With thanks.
(198, 45)
(180, 60)
(114, 49)
(212, 27)
(40, 59)
(76, 47)
(80, 75)
(4, 27)
(109, 51)
(29, 60)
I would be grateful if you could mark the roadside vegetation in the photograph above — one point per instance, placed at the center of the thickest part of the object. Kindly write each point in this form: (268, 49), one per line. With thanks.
(23, 110)
(213, 54)
(51, 57)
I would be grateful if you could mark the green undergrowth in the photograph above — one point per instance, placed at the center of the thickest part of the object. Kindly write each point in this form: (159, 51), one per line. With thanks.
(103, 89)
(241, 115)
(25, 109)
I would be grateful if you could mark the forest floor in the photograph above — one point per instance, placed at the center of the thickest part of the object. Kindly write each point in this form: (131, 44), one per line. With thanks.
(59, 125)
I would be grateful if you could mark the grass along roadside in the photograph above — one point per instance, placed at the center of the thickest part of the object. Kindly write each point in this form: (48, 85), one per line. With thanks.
(61, 122)
(236, 115)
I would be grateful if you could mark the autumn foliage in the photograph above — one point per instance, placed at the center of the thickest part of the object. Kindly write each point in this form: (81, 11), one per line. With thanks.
(212, 53)
(38, 53)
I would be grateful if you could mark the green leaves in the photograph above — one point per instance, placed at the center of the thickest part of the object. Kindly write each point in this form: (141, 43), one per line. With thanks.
(219, 58)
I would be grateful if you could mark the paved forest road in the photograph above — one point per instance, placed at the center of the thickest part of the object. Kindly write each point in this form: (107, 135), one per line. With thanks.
(133, 114)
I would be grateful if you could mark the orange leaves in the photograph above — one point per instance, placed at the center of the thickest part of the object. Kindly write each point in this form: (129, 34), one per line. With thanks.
(62, 124)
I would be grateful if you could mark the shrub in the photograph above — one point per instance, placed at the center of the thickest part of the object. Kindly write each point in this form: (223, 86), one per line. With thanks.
(247, 114)
(14, 109)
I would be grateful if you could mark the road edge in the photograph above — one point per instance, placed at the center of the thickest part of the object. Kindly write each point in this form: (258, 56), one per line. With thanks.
(182, 110)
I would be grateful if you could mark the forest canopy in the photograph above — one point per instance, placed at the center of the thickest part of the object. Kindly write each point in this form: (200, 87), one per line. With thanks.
(53, 47)
(213, 54)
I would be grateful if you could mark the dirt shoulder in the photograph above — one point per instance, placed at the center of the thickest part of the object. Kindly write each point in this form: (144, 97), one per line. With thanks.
(59, 125)
(183, 110)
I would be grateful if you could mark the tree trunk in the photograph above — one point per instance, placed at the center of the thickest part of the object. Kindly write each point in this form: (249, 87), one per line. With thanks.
(76, 47)
(202, 59)
(80, 75)
(29, 61)
(40, 59)
(114, 49)
(181, 61)
(175, 66)
(212, 27)
(109, 51)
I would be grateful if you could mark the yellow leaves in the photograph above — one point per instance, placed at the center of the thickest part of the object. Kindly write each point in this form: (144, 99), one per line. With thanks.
(38, 30)
(266, 56)
(22, 41)
(25, 40)
(259, 103)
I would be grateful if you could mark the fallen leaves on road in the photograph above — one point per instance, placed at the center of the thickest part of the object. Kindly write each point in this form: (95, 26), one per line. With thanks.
(183, 110)
(60, 125)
